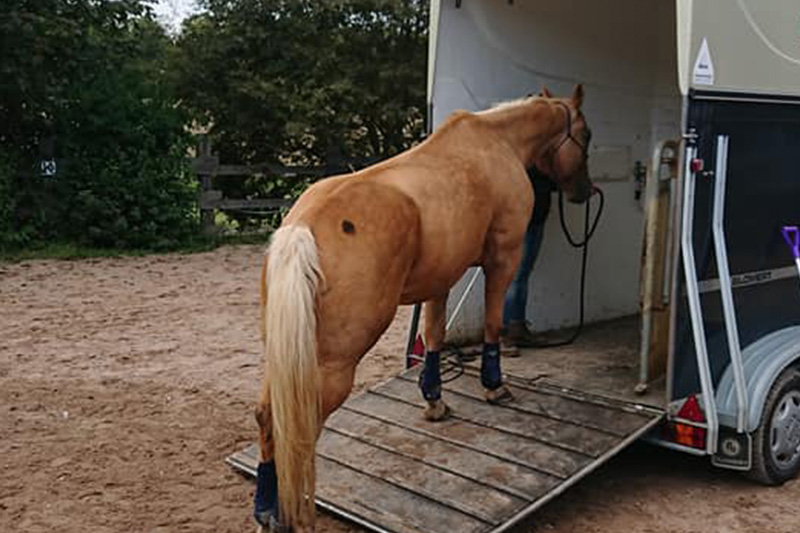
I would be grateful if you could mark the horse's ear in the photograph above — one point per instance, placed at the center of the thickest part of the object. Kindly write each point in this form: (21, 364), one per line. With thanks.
(577, 96)
(546, 93)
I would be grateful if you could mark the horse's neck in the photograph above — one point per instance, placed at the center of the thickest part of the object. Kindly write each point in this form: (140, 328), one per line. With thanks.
(528, 128)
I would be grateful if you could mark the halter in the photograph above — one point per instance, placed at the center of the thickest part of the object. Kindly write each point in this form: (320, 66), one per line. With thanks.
(568, 137)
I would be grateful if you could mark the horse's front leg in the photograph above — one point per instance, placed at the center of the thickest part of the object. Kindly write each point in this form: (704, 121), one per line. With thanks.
(430, 381)
(499, 272)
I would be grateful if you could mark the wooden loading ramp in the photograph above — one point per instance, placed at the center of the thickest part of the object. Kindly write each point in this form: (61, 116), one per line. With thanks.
(484, 469)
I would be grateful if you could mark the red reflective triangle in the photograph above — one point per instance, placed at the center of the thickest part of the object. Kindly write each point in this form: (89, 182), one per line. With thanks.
(691, 410)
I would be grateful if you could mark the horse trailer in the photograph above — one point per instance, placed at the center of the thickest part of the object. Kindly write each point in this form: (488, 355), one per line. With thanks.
(694, 109)
(691, 287)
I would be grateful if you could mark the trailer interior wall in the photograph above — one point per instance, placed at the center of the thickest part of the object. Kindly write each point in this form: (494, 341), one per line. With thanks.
(624, 51)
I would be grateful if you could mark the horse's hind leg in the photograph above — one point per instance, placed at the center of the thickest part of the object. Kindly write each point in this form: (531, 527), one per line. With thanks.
(265, 509)
(335, 386)
(499, 273)
(430, 381)
(265, 501)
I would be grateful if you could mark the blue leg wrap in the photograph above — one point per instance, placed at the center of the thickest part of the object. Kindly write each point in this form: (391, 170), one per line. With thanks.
(491, 377)
(265, 503)
(430, 380)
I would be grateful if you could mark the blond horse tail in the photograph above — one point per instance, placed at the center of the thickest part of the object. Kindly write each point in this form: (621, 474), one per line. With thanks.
(290, 348)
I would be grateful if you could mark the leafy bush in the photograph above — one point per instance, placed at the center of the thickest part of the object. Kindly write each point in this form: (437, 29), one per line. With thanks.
(301, 82)
(10, 236)
(86, 81)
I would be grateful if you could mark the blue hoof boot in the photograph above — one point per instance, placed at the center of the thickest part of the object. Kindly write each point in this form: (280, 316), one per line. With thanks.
(430, 380)
(491, 377)
(265, 502)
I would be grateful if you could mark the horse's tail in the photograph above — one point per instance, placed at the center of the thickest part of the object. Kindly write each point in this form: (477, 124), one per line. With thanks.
(290, 347)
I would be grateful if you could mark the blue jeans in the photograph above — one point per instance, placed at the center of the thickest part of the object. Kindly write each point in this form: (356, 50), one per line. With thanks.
(517, 295)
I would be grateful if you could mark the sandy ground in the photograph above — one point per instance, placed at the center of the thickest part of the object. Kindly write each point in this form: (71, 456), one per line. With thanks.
(124, 383)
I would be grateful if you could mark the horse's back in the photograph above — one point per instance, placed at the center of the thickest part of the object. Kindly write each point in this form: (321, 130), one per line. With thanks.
(470, 192)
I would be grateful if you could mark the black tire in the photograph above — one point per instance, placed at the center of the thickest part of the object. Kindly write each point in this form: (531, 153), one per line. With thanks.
(774, 464)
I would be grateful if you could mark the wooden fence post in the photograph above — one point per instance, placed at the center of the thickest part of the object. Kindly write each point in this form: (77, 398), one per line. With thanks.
(205, 165)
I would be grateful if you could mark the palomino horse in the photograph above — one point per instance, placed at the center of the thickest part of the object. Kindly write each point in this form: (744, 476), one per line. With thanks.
(354, 247)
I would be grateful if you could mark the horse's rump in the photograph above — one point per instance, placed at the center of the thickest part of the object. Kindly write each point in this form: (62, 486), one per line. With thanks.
(367, 235)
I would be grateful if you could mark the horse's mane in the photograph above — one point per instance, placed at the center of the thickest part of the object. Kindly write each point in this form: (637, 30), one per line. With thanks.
(495, 111)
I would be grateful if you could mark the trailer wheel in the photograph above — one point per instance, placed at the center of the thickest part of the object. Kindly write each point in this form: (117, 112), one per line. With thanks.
(776, 442)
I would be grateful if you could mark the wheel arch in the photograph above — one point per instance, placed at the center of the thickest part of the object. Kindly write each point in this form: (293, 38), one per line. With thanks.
(764, 361)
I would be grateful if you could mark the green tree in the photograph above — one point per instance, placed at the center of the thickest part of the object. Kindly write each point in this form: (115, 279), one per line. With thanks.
(297, 80)
(89, 78)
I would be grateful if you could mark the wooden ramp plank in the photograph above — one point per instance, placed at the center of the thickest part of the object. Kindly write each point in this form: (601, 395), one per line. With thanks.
(387, 505)
(556, 433)
(530, 400)
(510, 478)
(511, 448)
(349, 492)
(460, 493)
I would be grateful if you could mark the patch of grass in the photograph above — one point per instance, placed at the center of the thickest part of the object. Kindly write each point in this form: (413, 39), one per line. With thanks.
(68, 251)
(61, 251)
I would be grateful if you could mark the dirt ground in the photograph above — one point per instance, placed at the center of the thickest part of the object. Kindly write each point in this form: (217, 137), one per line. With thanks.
(124, 383)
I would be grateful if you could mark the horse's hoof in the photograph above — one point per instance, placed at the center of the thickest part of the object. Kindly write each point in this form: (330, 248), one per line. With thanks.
(268, 523)
(499, 396)
(436, 411)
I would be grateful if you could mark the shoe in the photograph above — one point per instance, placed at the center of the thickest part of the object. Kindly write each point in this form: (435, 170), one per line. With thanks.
(517, 334)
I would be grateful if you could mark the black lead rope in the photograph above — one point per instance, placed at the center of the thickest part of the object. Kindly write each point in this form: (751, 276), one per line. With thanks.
(455, 363)
(588, 233)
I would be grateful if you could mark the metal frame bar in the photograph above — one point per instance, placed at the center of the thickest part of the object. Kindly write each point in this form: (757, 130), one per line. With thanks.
(749, 279)
(413, 328)
(460, 304)
(673, 446)
(726, 289)
(652, 192)
(414, 325)
(671, 241)
(695, 309)
(678, 187)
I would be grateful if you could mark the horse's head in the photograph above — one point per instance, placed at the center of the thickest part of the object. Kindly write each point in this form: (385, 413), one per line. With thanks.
(567, 157)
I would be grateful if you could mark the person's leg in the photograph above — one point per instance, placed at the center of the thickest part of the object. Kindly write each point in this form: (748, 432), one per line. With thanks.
(517, 295)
